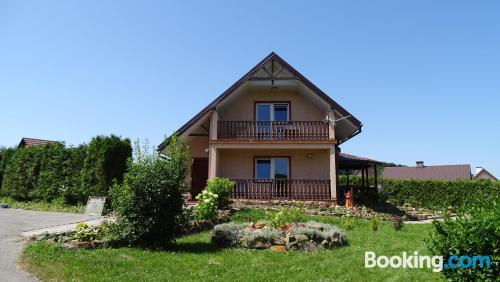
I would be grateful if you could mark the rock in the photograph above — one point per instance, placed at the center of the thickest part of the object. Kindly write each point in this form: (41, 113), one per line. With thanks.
(290, 239)
(81, 245)
(4, 206)
(280, 241)
(244, 242)
(310, 246)
(259, 244)
(293, 245)
(278, 248)
(301, 238)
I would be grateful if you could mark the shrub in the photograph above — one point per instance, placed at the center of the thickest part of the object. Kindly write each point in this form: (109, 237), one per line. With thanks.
(206, 208)
(475, 232)
(437, 194)
(222, 188)
(105, 159)
(149, 201)
(226, 234)
(265, 235)
(87, 233)
(374, 223)
(287, 215)
(319, 232)
(54, 171)
(349, 222)
(398, 223)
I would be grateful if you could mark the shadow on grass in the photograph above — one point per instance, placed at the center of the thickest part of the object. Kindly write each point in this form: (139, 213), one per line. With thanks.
(193, 247)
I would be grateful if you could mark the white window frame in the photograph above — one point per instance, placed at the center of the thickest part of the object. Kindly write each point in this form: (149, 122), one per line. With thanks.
(271, 106)
(273, 166)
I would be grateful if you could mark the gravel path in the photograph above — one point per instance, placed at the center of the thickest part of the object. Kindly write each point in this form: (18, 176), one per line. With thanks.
(12, 223)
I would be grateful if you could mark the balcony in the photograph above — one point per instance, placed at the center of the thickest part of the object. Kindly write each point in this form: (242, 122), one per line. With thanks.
(281, 189)
(273, 130)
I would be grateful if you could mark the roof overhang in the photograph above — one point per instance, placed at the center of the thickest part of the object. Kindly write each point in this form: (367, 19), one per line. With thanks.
(275, 71)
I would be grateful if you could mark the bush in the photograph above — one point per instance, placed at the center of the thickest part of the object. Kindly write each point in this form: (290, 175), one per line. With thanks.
(149, 201)
(374, 223)
(53, 171)
(105, 160)
(319, 232)
(226, 234)
(349, 222)
(265, 235)
(437, 194)
(222, 188)
(398, 223)
(475, 232)
(206, 208)
(87, 233)
(287, 215)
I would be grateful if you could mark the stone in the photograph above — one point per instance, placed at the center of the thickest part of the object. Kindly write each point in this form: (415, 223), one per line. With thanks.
(278, 248)
(293, 245)
(244, 242)
(290, 239)
(301, 238)
(280, 241)
(259, 244)
(310, 246)
(4, 206)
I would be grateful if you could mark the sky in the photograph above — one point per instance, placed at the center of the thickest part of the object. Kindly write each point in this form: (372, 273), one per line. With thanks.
(422, 76)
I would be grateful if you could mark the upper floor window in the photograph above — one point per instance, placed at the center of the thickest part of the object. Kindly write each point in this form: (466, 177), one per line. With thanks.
(272, 111)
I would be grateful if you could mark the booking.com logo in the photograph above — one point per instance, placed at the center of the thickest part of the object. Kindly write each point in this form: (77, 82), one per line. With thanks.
(435, 262)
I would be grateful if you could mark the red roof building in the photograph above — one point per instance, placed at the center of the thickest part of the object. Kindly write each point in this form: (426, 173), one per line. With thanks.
(435, 172)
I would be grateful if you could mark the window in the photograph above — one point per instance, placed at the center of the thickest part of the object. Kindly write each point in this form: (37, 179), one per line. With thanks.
(272, 168)
(272, 112)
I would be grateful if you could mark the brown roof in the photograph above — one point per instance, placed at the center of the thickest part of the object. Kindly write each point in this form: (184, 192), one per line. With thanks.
(273, 56)
(343, 157)
(27, 142)
(437, 172)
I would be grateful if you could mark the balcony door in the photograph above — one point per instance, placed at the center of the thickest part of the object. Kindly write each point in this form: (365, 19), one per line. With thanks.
(271, 119)
(273, 173)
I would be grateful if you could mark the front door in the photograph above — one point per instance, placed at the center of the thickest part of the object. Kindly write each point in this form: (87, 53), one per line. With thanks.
(199, 176)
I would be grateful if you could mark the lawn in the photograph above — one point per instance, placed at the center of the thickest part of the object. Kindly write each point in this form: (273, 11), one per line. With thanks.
(194, 258)
(42, 206)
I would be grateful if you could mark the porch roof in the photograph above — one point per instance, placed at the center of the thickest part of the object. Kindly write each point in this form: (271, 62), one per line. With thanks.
(347, 161)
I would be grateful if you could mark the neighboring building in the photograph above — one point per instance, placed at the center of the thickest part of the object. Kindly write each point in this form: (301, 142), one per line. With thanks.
(28, 142)
(275, 134)
(482, 173)
(438, 172)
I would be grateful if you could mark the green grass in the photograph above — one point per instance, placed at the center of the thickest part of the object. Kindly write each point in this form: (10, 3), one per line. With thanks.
(42, 206)
(194, 258)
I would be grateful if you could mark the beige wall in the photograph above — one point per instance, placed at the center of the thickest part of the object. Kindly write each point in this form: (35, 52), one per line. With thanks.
(197, 146)
(238, 163)
(242, 107)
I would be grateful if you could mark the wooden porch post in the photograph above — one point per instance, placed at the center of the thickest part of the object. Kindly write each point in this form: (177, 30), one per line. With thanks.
(214, 118)
(375, 175)
(333, 174)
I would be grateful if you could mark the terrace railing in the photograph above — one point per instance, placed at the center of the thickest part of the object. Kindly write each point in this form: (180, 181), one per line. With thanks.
(291, 189)
(273, 130)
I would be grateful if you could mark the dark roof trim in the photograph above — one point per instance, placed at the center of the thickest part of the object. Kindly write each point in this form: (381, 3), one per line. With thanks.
(334, 105)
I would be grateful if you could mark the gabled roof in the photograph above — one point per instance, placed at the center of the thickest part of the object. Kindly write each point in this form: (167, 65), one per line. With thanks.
(258, 72)
(484, 171)
(28, 142)
(437, 172)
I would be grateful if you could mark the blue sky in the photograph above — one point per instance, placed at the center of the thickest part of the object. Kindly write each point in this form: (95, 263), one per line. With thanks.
(423, 76)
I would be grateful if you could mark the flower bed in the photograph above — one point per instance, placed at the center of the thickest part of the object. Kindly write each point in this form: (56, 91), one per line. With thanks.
(309, 236)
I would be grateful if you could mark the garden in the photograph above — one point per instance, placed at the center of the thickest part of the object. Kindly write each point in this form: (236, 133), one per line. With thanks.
(156, 237)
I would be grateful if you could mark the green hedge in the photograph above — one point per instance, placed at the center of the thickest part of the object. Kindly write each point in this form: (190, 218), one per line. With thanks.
(53, 171)
(437, 194)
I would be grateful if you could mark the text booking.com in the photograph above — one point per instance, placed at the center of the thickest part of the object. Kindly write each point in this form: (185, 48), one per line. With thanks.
(436, 263)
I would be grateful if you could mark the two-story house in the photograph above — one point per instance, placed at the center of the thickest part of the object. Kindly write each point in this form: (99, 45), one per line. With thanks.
(274, 133)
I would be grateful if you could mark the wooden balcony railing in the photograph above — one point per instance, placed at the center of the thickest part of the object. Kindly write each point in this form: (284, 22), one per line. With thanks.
(272, 130)
(289, 189)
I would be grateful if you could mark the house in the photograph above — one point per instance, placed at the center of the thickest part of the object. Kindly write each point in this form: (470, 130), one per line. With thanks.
(28, 142)
(482, 173)
(437, 172)
(275, 134)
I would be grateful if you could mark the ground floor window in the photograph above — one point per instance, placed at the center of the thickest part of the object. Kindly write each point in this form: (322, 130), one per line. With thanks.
(272, 168)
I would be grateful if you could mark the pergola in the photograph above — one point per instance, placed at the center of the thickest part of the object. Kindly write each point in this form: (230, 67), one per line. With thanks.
(349, 164)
